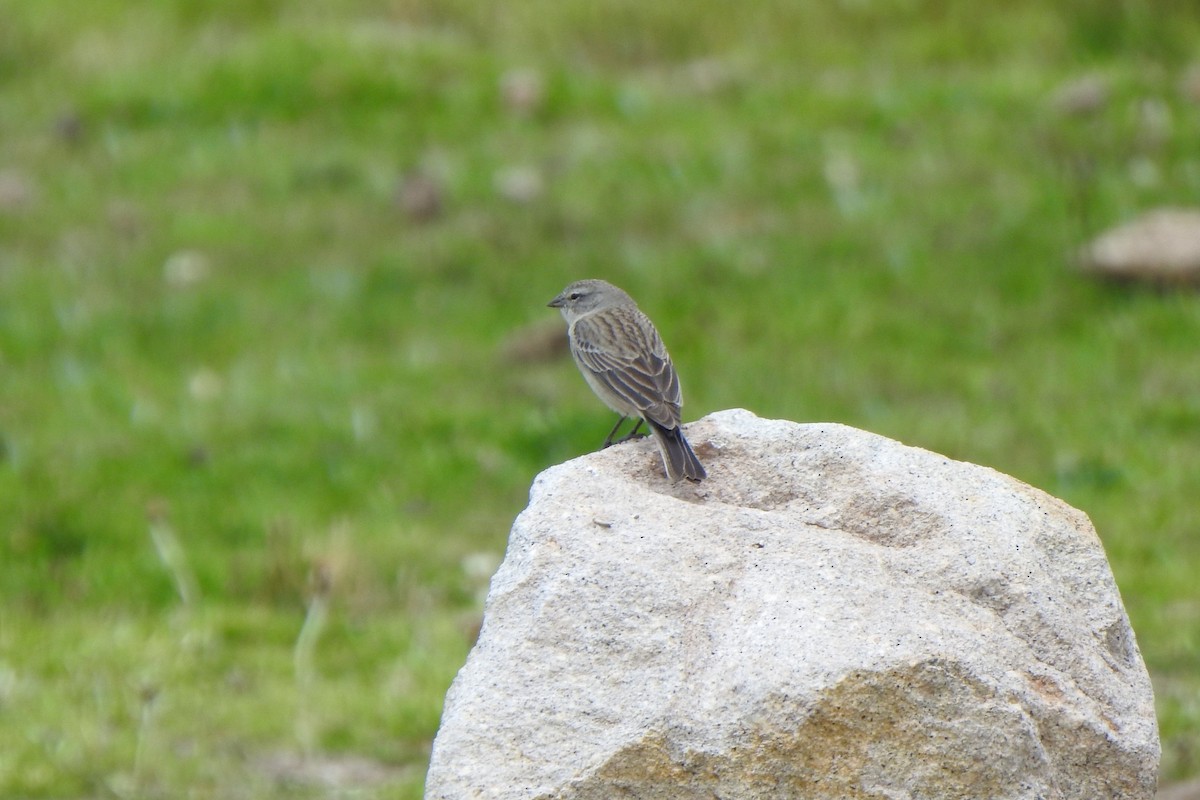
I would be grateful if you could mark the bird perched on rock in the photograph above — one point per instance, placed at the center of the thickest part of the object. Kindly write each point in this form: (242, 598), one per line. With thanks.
(624, 360)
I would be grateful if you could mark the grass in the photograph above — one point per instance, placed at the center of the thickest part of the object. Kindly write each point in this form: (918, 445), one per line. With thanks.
(243, 388)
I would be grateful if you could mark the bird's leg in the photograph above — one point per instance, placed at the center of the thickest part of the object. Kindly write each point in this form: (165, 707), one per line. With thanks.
(633, 434)
(608, 440)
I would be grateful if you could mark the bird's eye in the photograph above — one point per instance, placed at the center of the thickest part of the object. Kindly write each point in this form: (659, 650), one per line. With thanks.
(574, 296)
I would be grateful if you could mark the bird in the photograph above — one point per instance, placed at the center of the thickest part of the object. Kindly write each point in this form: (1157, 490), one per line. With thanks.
(624, 361)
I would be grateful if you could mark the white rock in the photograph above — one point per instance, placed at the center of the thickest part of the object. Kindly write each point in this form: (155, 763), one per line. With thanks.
(523, 90)
(1160, 247)
(830, 615)
(1082, 96)
(520, 183)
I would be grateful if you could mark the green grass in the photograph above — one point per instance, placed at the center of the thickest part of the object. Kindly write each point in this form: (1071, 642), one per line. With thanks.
(214, 314)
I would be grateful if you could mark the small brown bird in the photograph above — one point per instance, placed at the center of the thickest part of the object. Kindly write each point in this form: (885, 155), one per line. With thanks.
(624, 360)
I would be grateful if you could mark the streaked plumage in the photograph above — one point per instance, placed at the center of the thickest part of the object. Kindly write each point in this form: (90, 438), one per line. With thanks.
(624, 360)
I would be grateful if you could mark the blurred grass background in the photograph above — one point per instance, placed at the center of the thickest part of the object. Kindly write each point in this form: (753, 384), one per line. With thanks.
(264, 266)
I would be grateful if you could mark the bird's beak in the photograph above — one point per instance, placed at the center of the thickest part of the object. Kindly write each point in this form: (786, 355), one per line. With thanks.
(556, 302)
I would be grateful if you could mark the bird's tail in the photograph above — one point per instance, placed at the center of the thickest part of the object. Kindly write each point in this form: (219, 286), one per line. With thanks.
(677, 454)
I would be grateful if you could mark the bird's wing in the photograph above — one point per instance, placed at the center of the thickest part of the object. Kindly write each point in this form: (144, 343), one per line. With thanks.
(627, 355)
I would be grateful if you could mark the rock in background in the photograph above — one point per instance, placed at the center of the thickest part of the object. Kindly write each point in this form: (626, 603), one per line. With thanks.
(830, 615)
(1161, 247)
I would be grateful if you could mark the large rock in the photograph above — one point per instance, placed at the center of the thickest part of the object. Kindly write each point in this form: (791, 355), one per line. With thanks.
(830, 615)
